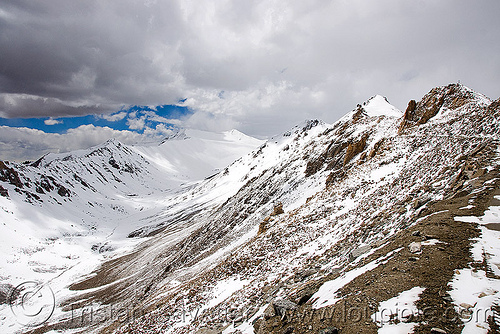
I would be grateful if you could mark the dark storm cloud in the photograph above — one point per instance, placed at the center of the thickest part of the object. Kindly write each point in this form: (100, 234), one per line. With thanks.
(277, 62)
(32, 106)
(85, 53)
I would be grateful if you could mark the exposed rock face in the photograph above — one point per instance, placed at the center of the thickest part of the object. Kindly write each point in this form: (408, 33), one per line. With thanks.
(355, 148)
(410, 110)
(450, 97)
(10, 175)
(4, 192)
(278, 209)
(281, 306)
(376, 148)
(360, 112)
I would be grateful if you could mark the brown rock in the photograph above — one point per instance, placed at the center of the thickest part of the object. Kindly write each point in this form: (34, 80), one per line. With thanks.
(452, 97)
(269, 312)
(360, 112)
(208, 331)
(278, 209)
(354, 149)
(410, 110)
(4, 192)
(262, 227)
(376, 148)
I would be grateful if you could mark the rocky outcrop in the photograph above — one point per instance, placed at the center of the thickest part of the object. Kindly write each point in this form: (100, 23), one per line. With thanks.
(337, 155)
(4, 192)
(450, 97)
(409, 117)
(355, 148)
(333, 157)
(360, 112)
(278, 209)
(376, 148)
(10, 175)
(281, 306)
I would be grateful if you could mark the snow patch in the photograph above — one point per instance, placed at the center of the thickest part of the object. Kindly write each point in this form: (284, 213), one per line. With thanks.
(247, 326)
(327, 293)
(379, 106)
(473, 291)
(224, 289)
(393, 313)
(382, 172)
(474, 294)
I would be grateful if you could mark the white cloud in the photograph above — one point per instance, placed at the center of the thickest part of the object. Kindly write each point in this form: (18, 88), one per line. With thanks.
(211, 122)
(115, 117)
(278, 62)
(152, 116)
(141, 120)
(275, 107)
(52, 121)
(160, 131)
(136, 123)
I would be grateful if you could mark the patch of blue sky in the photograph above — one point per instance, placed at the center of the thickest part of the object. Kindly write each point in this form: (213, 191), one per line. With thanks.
(164, 114)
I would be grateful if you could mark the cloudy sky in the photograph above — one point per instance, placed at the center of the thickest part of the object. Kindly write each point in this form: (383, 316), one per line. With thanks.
(73, 73)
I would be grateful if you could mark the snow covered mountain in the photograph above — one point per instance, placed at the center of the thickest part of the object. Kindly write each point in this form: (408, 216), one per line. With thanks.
(385, 221)
(194, 155)
(64, 214)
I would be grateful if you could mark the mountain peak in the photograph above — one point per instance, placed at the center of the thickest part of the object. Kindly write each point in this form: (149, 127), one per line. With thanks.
(378, 105)
(375, 106)
(112, 142)
(181, 134)
(236, 135)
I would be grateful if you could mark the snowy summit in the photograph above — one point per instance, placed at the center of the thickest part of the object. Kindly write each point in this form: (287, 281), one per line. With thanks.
(378, 105)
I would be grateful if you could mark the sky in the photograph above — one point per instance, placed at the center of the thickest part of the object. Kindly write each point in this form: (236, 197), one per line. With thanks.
(75, 73)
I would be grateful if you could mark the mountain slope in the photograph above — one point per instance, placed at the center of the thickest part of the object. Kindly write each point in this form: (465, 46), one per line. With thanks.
(355, 195)
(322, 229)
(194, 154)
